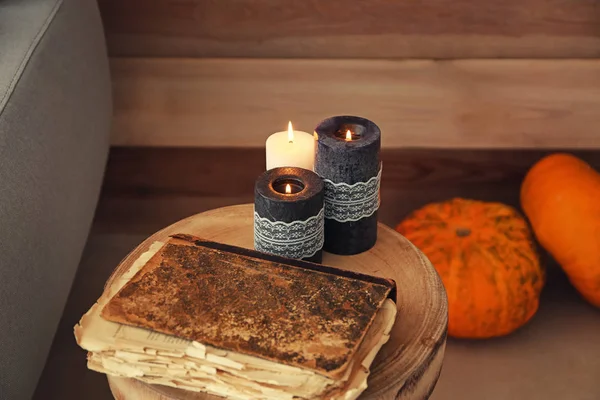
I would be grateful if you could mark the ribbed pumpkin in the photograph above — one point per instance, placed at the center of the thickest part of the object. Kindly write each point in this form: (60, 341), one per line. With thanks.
(560, 196)
(488, 263)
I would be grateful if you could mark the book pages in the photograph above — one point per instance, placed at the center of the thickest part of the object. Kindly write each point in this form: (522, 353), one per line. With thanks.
(156, 358)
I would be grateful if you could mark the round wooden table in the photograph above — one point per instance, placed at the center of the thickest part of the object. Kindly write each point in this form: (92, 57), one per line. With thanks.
(407, 367)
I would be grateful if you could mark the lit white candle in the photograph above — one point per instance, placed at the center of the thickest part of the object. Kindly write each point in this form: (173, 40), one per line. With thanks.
(291, 149)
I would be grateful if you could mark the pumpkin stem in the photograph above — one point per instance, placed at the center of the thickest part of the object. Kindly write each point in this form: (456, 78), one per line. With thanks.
(463, 232)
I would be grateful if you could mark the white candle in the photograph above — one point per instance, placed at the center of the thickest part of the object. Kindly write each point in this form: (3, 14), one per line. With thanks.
(291, 149)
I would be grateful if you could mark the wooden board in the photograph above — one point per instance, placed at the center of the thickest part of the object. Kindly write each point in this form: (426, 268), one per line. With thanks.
(407, 367)
(146, 188)
(457, 104)
(230, 172)
(338, 28)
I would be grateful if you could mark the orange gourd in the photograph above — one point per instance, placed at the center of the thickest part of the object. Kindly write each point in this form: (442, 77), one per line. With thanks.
(488, 263)
(560, 196)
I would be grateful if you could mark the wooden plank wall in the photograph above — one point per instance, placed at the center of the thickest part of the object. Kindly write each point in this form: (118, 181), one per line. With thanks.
(354, 29)
(459, 104)
(441, 73)
(147, 188)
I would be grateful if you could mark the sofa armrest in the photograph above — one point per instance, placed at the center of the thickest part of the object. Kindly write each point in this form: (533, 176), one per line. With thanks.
(54, 135)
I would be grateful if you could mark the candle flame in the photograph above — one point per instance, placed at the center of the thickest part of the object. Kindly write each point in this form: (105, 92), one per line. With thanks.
(288, 188)
(348, 135)
(290, 132)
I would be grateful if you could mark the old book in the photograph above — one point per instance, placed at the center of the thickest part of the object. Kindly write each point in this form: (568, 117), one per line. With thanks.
(208, 317)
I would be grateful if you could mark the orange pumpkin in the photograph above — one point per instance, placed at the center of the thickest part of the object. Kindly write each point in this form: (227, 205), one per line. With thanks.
(486, 258)
(561, 197)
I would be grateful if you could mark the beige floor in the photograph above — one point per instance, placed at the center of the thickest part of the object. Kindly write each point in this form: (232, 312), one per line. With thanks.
(557, 356)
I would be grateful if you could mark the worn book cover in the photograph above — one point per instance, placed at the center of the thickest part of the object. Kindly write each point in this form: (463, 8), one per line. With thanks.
(290, 312)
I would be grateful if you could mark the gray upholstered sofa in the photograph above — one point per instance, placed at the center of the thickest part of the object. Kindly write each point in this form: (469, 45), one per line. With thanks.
(55, 111)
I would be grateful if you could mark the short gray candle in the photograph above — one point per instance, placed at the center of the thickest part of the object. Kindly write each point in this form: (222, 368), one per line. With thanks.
(289, 223)
(347, 158)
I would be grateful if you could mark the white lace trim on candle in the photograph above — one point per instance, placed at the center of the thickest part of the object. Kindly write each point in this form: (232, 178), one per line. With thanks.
(349, 203)
(297, 239)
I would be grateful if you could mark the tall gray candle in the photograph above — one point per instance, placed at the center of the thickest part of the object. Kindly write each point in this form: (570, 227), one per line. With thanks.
(289, 213)
(347, 158)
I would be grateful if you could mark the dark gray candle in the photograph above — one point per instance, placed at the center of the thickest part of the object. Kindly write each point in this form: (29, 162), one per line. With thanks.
(347, 158)
(289, 213)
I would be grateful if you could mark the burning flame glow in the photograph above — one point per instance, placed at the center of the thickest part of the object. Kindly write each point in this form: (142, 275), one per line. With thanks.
(290, 132)
(288, 189)
(348, 135)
